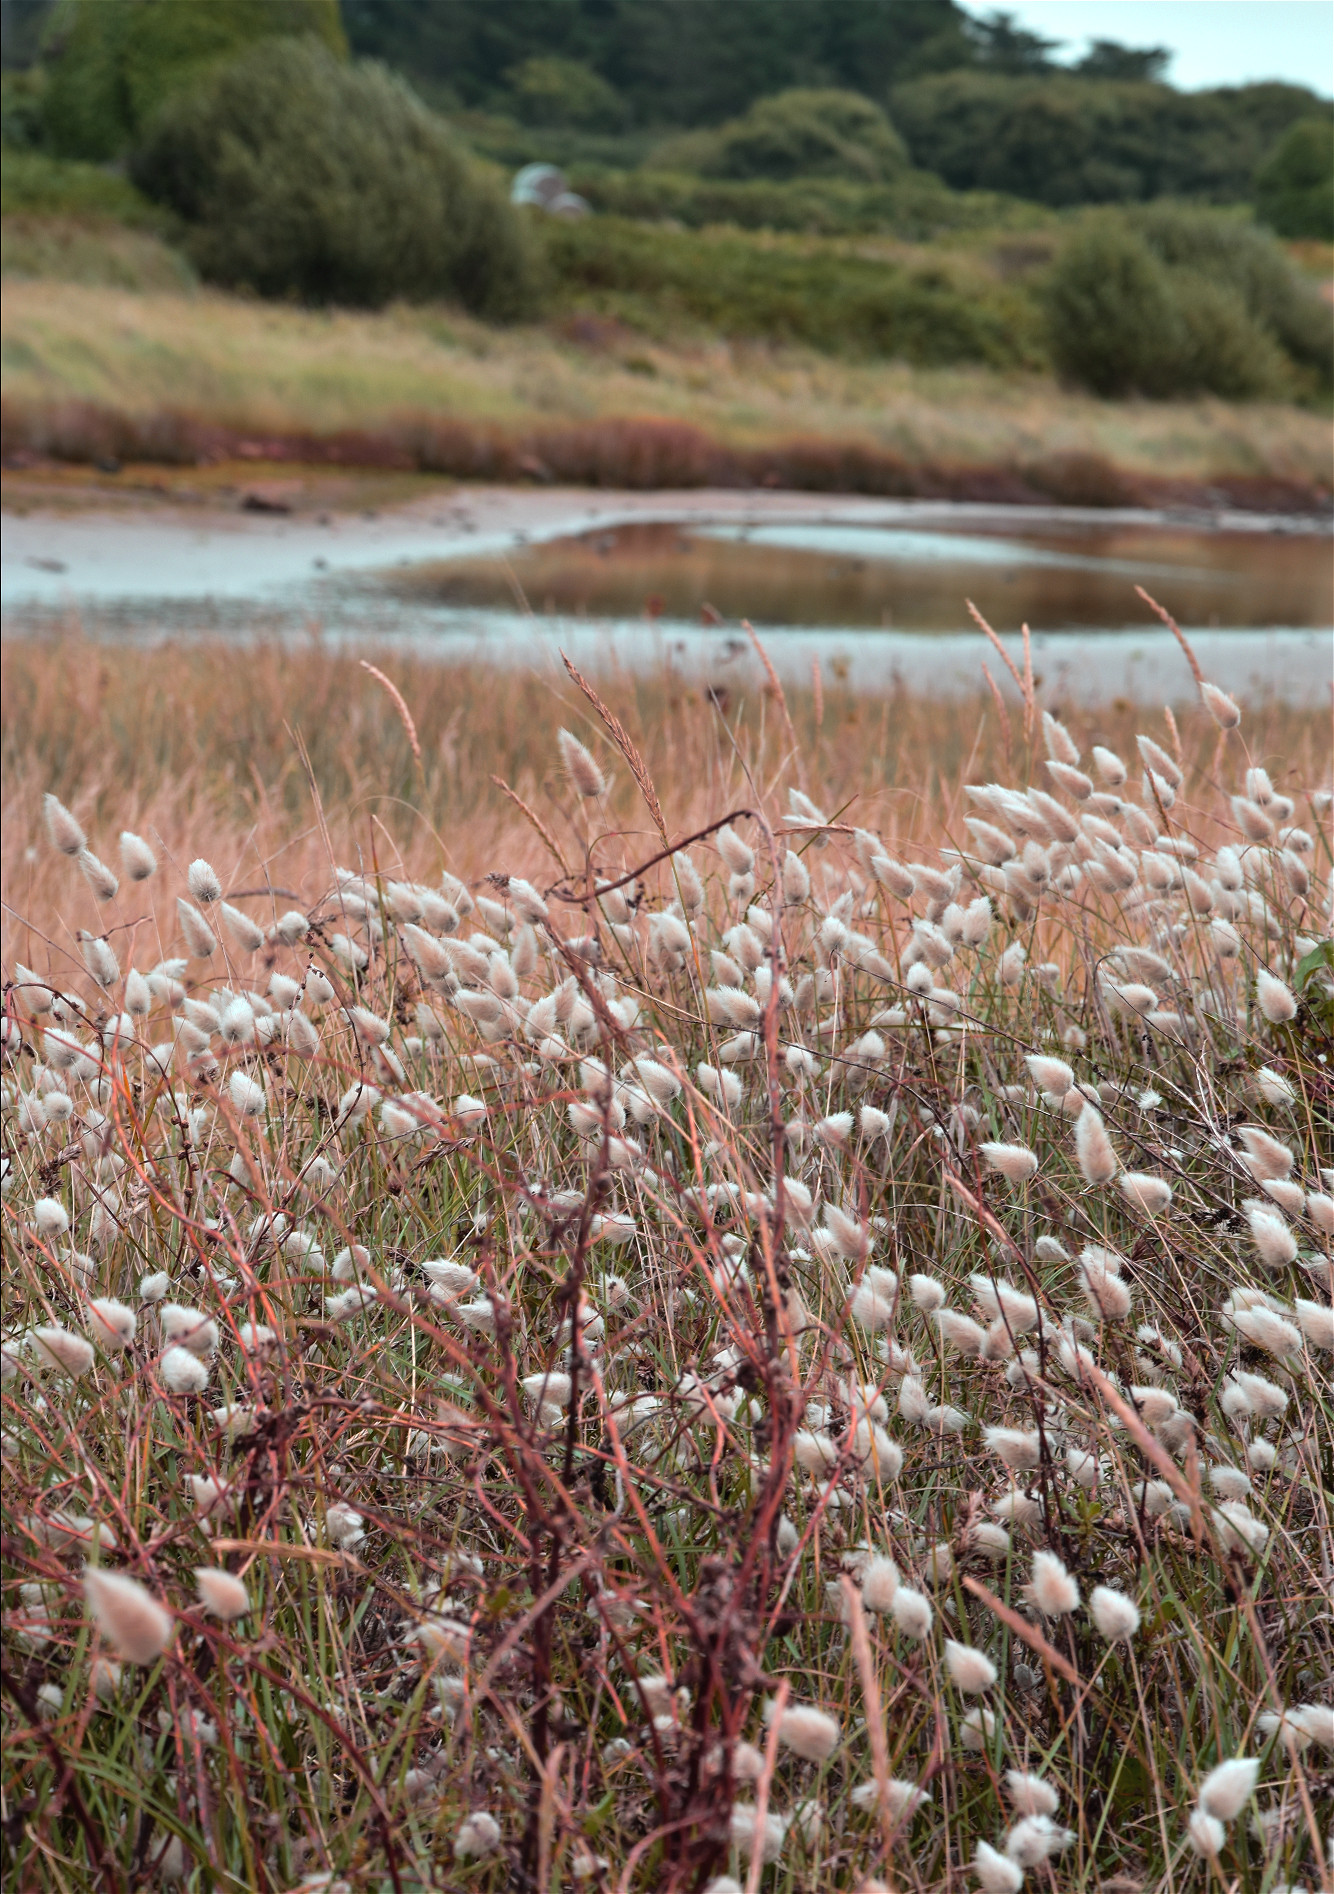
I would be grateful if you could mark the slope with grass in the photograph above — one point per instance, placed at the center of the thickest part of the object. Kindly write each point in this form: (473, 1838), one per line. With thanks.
(94, 372)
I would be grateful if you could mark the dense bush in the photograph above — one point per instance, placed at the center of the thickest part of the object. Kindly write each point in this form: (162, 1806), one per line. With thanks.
(34, 185)
(1171, 302)
(1253, 267)
(1070, 140)
(567, 93)
(783, 290)
(302, 176)
(1294, 187)
(914, 206)
(120, 59)
(798, 134)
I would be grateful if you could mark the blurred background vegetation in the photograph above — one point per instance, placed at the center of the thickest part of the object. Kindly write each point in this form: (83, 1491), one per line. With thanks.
(883, 181)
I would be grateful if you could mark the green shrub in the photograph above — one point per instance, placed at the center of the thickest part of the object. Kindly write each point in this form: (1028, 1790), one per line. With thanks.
(22, 109)
(564, 92)
(1171, 301)
(787, 290)
(33, 185)
(302, 176)
(1223, 349)
(915, 206)
(1294, 187)
(797, 134)
(1113, 321)
(1250, 263)
(118, 60)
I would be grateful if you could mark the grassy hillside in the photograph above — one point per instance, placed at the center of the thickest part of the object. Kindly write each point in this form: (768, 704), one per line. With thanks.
(75, 352)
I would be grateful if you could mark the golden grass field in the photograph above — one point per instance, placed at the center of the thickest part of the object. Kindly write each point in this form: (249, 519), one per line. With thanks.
(490, 1396)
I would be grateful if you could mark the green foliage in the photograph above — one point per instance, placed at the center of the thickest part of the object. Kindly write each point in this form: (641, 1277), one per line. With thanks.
(671, 71)
(302, 176)
(1252, 266)
(37, 186)
(1294, 187)
(22, 104)
(798, 134)
(550, 90)
(116, 61)
(1174, 302)
(786, 290)
(1114, 324)
(1072, 140)
(916, 206)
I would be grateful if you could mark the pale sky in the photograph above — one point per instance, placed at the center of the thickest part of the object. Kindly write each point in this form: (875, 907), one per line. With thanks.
(1214, 42)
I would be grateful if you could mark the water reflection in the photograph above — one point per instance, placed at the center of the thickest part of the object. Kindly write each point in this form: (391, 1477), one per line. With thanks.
(812, 573)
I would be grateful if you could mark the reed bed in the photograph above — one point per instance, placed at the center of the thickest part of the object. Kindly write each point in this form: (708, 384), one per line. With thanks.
(744, 1306)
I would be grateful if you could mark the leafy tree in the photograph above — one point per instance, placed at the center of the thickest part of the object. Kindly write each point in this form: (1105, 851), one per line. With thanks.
(1003, 46)
(1294, 187)
(675, 62)
(300, 175)
(113, 62)
(1065, 139)
(1108, 59)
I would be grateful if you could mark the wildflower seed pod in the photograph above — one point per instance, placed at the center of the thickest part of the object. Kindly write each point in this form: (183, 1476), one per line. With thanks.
(221, 1593)
(203, 883)
(1051, 1588)
(128, 1616)
(137, 858)
(1274, 999)
(199, 936)
(65, 833)
(580, 766)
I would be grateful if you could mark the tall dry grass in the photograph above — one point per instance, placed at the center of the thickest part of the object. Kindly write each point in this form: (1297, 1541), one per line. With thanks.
(540, 1306)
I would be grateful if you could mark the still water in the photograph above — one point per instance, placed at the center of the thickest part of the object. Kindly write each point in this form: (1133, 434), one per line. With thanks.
(876, 590)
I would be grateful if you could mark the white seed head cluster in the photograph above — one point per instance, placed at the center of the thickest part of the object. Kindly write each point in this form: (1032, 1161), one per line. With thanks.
(592, 1342)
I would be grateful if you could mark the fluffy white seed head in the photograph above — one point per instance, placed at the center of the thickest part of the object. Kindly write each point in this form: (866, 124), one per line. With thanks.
(1094, 1151)
(1144, 1192)
(1220, 706)
(1051, 1587)
(478, 1835)
(1116, 1616)
(65, 833)
(203, 882)
(128, 1616)
(806, 1731)
(1015, 1162)
(110, 1323)
(972, 1670)
(137, 858)
(1227, 1789)
(221, 1593)
(1030, 1795)
(182, 1372)
(911, 1612)
(580, 765)
(60, 1350)
(995, 1872)
(1274, 999)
